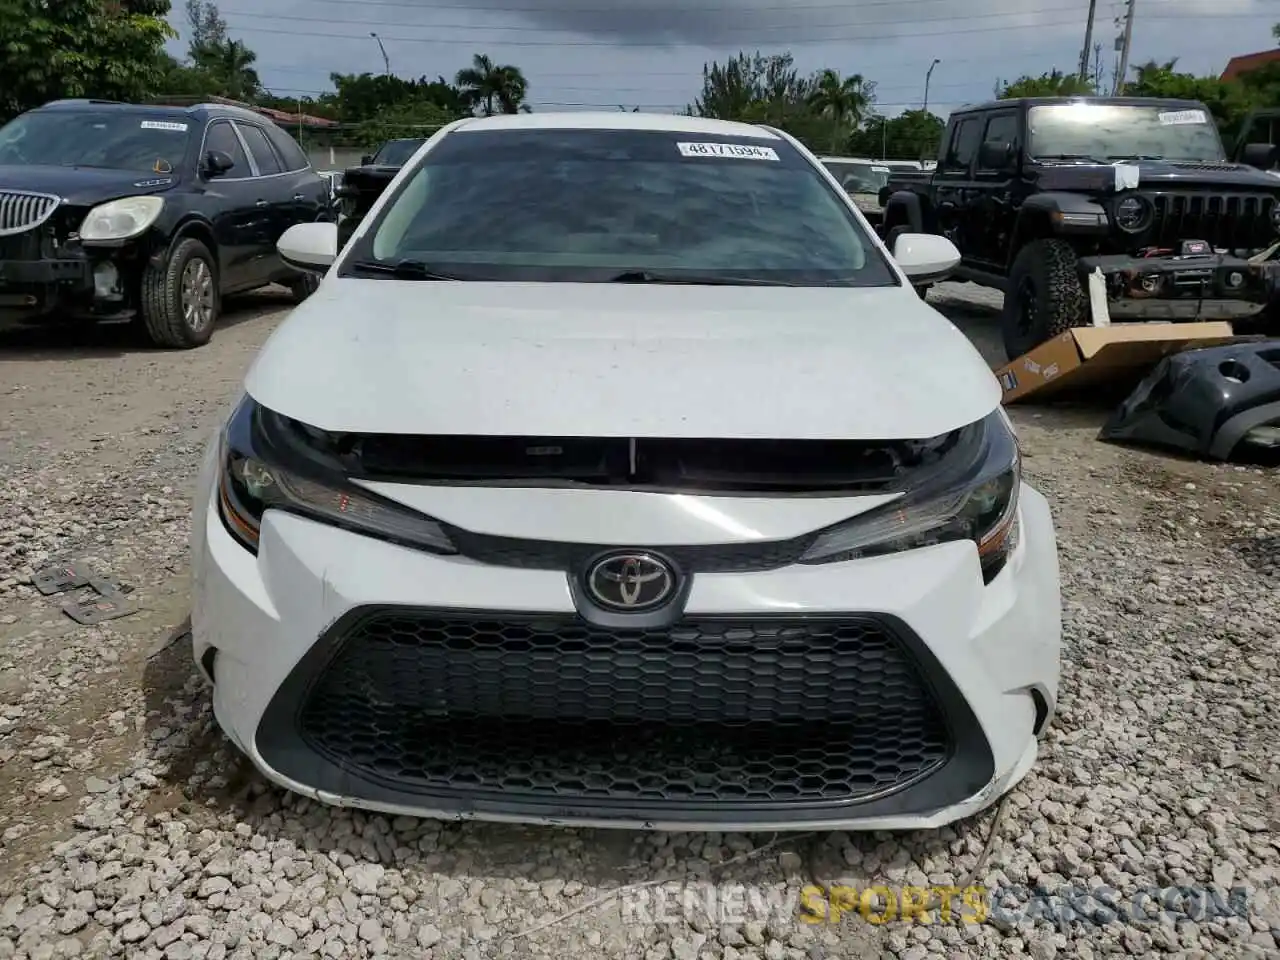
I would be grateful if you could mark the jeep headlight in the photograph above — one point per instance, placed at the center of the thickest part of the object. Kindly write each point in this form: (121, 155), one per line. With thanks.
(1133, 214)
(121, 219)
(972, 495)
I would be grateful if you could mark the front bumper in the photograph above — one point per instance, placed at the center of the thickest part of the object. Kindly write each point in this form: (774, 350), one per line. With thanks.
(1204, 287)
(277, 634)
(75, 286)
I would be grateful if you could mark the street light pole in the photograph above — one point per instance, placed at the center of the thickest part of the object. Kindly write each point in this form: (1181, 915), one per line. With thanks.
(927, 77)
(386, 61)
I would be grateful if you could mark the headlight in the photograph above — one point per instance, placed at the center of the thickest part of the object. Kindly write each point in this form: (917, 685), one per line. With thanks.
(1275, 216)
(1133, 214)
(253, 481)
(121, 219)
(972, 496)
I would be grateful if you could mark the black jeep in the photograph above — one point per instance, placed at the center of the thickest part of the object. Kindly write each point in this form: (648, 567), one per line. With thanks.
(363, 185)
(1041, 195)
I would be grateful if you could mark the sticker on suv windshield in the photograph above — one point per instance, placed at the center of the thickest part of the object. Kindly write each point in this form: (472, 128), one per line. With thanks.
(1176, 117)
(740, 151)
(164, 125)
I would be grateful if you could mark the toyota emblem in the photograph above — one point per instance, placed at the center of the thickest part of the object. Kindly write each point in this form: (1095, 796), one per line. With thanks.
(631, 581)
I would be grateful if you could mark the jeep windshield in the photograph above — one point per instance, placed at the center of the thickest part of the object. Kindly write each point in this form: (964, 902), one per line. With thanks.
(138, 141)
(396, 153)
(1107, 132)
(568, 205)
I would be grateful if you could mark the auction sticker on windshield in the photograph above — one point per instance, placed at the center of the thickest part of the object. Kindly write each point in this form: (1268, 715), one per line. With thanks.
(740, 151)
(164, 125)
(1177, 117)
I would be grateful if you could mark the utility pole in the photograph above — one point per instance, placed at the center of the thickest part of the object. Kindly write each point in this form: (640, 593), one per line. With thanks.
(927, 76)
(1124, 50)
(1088, 42)
(386, 61)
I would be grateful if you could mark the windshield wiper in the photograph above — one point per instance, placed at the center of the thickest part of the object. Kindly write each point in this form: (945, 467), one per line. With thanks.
(403, 270)
(693, 279)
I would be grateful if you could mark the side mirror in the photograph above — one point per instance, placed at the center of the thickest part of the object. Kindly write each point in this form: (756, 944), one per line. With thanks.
(366, 159)
(1260, 155)
(924, 257)
(216, 163)
(996, 155)
(309, 247)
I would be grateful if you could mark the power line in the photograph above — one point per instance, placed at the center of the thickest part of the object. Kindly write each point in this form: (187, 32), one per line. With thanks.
(529, 29)
(702, 7)
(488, 41)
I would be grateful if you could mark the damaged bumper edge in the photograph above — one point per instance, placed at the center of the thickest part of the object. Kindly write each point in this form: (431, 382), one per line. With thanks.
(1196, 287)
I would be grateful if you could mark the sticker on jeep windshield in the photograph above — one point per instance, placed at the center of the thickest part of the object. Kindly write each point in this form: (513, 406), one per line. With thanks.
(1179, 117)
(164, 125)
(738, 151)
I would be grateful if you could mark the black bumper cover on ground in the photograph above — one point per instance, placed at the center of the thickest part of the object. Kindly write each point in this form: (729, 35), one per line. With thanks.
(1202, 401)
(547, 717)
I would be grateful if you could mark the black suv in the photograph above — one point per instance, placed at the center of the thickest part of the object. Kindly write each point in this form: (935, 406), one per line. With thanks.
(1041, 194)
(363, 185)
(121, 212)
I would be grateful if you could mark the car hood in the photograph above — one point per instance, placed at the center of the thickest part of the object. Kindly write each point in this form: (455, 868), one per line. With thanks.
(84, 185)
(557, 359)
(1163, 173)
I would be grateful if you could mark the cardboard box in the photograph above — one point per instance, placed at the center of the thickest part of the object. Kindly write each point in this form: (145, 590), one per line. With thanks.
(1087, 357)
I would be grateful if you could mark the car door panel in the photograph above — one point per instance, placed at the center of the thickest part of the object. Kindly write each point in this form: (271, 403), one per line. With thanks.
(233, 215)
(270, 200)
(994, 211)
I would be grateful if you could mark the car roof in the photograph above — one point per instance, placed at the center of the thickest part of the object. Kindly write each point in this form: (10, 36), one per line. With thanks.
(604, 120)
(1101, 101)
(192, 110)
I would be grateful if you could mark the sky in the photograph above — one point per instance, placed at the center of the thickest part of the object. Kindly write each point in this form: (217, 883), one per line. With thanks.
(580, 54)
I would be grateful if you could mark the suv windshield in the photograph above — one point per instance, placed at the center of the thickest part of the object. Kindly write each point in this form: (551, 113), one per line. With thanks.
(396, 153)
(595, 205)
(1107, 131)
(858, 177)
(111, 139)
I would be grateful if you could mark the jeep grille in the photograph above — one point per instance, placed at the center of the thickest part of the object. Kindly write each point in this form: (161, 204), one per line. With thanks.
(21, 211)
(1224, 220)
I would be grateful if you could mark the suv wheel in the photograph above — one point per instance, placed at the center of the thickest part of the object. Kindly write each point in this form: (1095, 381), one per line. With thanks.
(1045, 297)
(304, 286)
(180, 300)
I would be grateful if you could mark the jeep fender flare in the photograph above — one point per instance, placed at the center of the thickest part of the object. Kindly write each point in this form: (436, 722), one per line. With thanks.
(1041, 216)
(903, 208)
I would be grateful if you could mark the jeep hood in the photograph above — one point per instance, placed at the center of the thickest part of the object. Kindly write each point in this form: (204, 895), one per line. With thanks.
(559, 359)
(1165, 174)
(84, 186)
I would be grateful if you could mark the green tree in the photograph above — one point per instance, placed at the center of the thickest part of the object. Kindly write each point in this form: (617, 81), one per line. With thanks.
(843, 101)
(492, 88)
(229, 66)
(911, 135)
(1055, 83)
(358, 97)
(1229, 101)
(79, 48)
(763, 89)
(403, 120)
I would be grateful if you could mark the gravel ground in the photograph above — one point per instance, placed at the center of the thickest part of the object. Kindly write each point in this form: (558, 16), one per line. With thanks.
(129, 828)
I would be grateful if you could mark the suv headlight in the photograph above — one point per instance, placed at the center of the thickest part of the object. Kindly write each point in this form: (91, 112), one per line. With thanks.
(259, 473)
(1133, 214)
(973, 495)
(121, 219)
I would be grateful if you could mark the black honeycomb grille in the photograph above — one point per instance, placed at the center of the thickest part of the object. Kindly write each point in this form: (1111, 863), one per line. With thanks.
(708, 711)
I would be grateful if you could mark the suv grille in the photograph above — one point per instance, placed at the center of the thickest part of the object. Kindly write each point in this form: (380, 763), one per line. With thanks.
(20, 211)
(1224, 220)
(712, 711)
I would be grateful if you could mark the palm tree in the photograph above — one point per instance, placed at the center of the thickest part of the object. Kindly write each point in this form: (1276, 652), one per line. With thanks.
(229, 63)
(844, 101)
(485, 84)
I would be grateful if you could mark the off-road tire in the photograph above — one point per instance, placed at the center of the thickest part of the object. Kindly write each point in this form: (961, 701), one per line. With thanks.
(304, 286)
(161, 298)
(1044, 271)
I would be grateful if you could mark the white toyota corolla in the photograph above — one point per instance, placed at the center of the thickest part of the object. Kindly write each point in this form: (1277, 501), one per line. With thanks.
(615, 475)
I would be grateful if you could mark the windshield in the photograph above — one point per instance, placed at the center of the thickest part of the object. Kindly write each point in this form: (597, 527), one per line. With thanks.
(396, 153)
(590, 205)
(110, 139)
(859, 177)
(1104, 131)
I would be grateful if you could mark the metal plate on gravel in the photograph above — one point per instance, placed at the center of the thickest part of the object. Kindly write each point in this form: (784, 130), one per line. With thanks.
(96, 608)
(62, 577)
